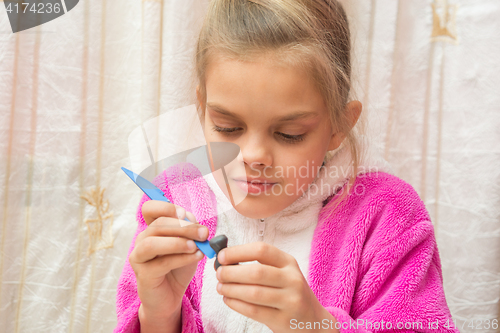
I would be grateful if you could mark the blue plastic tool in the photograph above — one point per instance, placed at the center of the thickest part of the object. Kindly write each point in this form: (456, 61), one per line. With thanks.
(154, 193)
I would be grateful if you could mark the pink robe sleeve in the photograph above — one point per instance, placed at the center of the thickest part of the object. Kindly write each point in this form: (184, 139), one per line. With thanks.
(402, 289)
(395, 281)
(127, 300)
(183, 185)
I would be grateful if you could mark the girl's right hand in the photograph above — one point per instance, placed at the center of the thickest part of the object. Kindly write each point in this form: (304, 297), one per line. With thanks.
(165, 258)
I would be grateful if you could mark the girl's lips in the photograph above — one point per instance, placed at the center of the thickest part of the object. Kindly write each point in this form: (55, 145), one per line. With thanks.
(254, 180)
(253, 187)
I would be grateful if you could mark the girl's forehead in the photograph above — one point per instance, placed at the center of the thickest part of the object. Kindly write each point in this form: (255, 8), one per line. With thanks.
(271, 58)
(262, 81)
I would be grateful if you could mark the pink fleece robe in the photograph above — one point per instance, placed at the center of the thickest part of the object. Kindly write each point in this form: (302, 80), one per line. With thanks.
(374, 266)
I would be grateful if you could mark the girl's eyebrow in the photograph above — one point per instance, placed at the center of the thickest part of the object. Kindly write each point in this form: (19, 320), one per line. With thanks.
(294, 116)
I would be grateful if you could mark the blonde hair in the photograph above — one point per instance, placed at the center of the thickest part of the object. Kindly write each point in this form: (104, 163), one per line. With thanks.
(309, 34)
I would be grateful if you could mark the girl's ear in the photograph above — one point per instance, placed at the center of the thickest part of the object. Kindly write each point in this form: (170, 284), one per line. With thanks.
(336, 140)
(353, 109)
(198, 96)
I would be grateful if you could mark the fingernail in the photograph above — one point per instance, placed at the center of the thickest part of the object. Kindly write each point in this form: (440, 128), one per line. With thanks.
(219, 287)
(198, 254)
(221, 256)
(218, 273)
(180, 213)
(191, 245)
(202, 232)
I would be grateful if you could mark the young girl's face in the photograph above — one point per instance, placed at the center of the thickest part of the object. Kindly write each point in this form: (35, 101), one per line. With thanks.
(278, 118)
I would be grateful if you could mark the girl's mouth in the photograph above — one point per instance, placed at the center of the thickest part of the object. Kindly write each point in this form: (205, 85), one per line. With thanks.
(254, 187)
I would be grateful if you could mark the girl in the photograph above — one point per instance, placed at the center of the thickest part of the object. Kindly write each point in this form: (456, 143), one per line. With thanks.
(347, 247)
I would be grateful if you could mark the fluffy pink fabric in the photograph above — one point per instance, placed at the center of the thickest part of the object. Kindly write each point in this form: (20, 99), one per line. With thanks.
(374, 266)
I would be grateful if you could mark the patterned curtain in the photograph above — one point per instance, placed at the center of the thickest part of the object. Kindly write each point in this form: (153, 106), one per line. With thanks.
(73, 89)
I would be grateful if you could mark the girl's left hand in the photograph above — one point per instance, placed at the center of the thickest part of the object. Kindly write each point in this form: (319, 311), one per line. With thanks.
(273, 291)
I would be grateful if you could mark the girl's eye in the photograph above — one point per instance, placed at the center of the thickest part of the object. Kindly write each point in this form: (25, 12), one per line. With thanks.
(224, 129)
(285, 137)
(292, 138)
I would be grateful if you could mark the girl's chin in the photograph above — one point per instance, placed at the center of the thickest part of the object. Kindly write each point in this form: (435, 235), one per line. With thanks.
(258, 207)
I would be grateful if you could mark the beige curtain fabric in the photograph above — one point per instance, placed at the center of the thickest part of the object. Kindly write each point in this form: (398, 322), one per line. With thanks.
(74, 89)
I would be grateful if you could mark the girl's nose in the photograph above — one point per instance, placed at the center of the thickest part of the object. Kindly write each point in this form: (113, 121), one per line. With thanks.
(256, 153)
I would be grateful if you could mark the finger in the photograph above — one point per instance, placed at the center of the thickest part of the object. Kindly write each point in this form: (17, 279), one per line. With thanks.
(166, 226)
(187, 215)
(258, 274)
(258, 313)
(255, 294)
(153, 209)
(161, 266)
(191, 217)
(262, 252)
(154, 246)
(152, 229)
(180, 212)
